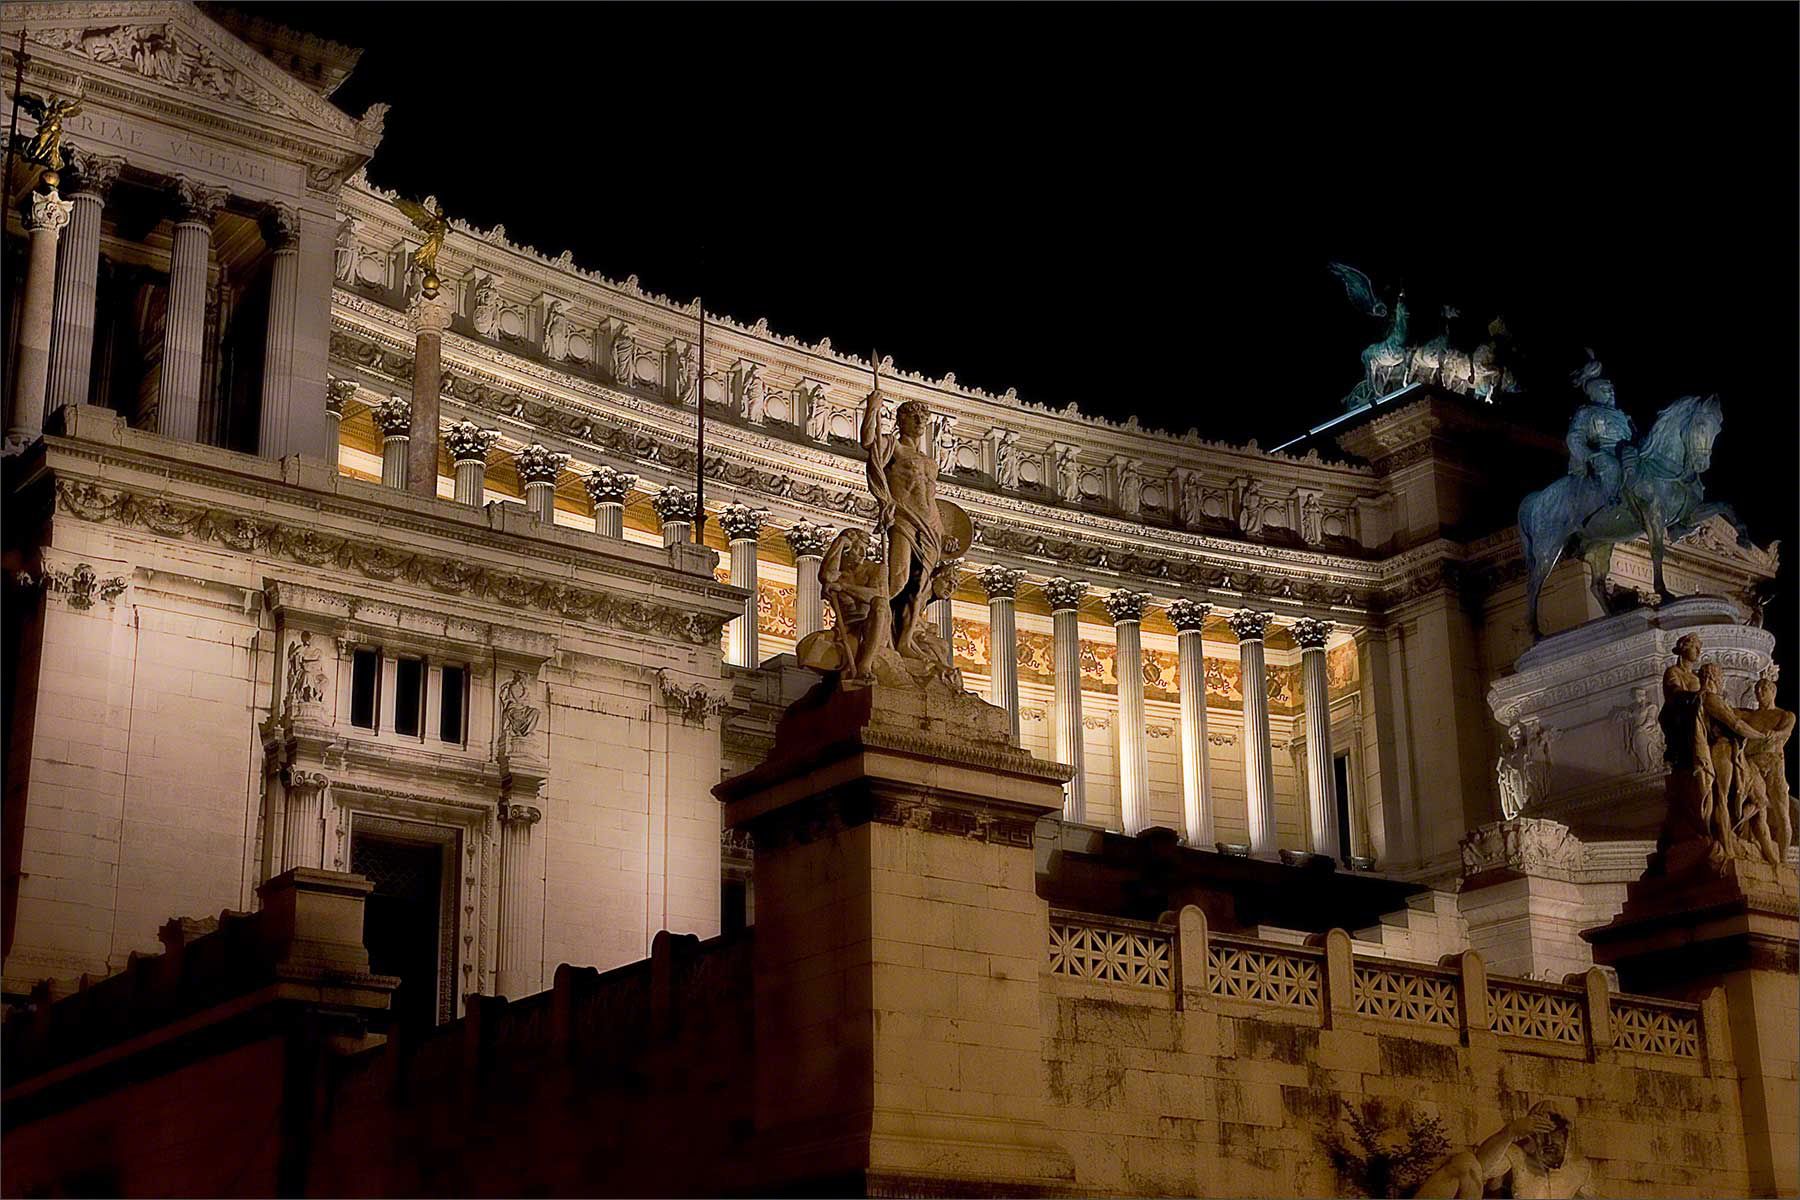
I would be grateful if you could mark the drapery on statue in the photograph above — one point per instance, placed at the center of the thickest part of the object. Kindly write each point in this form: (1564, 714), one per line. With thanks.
(44, 148)
(1718, 798)
(1618, 488)
(881, 632)
(1531, 1152)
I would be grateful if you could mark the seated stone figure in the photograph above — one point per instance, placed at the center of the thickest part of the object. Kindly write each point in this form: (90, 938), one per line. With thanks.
(1527, 1157)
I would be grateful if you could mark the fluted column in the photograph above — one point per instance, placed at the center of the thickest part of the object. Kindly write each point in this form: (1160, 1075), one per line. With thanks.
(430, 315)
(1127, 611)
(184, 332)
(808, 542)
(538, 469)
(675, 509)
(512, 957)
(1002, 586)
(468, 444)
(281, 229)
(1189, 617)
(338, 392)
(45, 215)
(1064, 597)
(393, 417)
(1259, 771)
(303, 830)
(608, 489)
(1321, 771)
(741, 525)
(77, 280)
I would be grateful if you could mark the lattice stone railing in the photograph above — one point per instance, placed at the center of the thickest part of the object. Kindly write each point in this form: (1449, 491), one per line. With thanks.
(1263, 973)
(1111, 952)
(1335, 986)
(1657, 1026)
(1402, 993)
(1547, 1014)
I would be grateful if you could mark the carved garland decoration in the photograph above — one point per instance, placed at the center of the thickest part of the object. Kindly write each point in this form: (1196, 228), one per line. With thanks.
(454, 577)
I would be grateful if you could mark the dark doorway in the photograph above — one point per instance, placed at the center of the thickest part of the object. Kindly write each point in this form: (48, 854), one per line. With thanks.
(403, 922)
(1340, 778)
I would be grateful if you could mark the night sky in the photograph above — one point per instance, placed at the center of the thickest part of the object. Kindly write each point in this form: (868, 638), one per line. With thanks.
(1132, 207)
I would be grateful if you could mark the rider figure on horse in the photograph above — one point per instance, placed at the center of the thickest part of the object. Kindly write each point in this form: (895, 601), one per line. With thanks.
(1595, 433)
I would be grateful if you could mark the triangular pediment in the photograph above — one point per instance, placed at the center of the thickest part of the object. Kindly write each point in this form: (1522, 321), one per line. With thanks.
(170, 50)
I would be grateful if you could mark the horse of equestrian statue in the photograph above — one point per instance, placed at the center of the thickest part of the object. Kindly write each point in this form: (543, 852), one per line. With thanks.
(1617, 488)
(1385, 361)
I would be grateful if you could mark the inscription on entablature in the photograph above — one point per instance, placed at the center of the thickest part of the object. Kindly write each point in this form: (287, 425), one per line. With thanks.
(183, 151)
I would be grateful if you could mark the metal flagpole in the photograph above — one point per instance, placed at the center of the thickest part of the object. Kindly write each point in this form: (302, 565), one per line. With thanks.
(12, 141)
(700, 435)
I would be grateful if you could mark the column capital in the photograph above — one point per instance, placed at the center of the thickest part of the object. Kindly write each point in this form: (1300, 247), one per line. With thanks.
(608, 486)
(1188, 615)
(538, 464)
(520, 814)
(95, 174)
(281, 227)
(741, 522)
(1310, 632)
(808, 540)
(196, 201)
(673, 504)
(468, 442)
(1249, 625)
(1064, 593)
(1000, 582)
(393, 416)
(429, 314)
(338, 392)
(1126, 605)
(45, 210)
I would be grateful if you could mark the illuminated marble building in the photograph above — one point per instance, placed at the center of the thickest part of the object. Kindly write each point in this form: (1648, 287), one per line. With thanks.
(308, 569)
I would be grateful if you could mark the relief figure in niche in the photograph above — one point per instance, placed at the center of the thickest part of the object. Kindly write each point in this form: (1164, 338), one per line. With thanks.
(517, 718)
(556, 332)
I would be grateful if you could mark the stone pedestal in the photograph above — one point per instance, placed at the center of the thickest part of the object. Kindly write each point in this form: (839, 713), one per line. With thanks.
(1523, 901)
(899, 947)
(1692, 928)
(1585, 704)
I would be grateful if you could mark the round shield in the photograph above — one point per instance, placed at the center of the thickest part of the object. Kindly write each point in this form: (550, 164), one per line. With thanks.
(959, 531)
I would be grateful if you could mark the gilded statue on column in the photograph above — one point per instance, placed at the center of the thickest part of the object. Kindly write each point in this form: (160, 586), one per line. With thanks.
(44, 148)
(431, 221)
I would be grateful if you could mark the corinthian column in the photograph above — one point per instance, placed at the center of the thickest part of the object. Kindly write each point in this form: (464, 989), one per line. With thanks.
(393, 417)
(282, 231)
(184, 334)
(77, 277)
(512, 966)
(303, 832)
(675, 509)
(1127, 610)
(608, 489)
(1189, 617)
(1064, 596)
(45, 215)
(538, 469)
(430, 316)
(808, 542)
(1321, 771)
(338, 392)
(468, 444)
(741, 524)
(1002, 586)
(1259, 771)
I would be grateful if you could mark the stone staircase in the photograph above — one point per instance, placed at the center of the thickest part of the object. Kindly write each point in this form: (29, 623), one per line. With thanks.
(1429, 927)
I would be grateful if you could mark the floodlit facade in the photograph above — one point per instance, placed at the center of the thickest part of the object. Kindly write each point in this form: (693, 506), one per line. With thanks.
(334, 550)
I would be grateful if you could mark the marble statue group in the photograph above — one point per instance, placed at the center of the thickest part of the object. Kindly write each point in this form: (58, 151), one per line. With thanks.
(879, 585)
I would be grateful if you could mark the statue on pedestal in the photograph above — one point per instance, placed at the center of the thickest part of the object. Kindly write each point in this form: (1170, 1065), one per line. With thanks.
(881, 634)
(1716, 797)
(1767, 755)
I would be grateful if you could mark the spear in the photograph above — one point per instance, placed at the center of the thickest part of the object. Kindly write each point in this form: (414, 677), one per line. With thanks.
(700, 434)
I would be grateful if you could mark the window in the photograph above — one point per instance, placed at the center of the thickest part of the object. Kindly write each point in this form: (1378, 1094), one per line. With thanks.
(365, 684)
(1340, 772)
(452, 705)
(409, 696)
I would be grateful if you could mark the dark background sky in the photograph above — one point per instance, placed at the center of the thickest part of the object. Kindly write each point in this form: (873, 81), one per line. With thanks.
(1132, 207)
